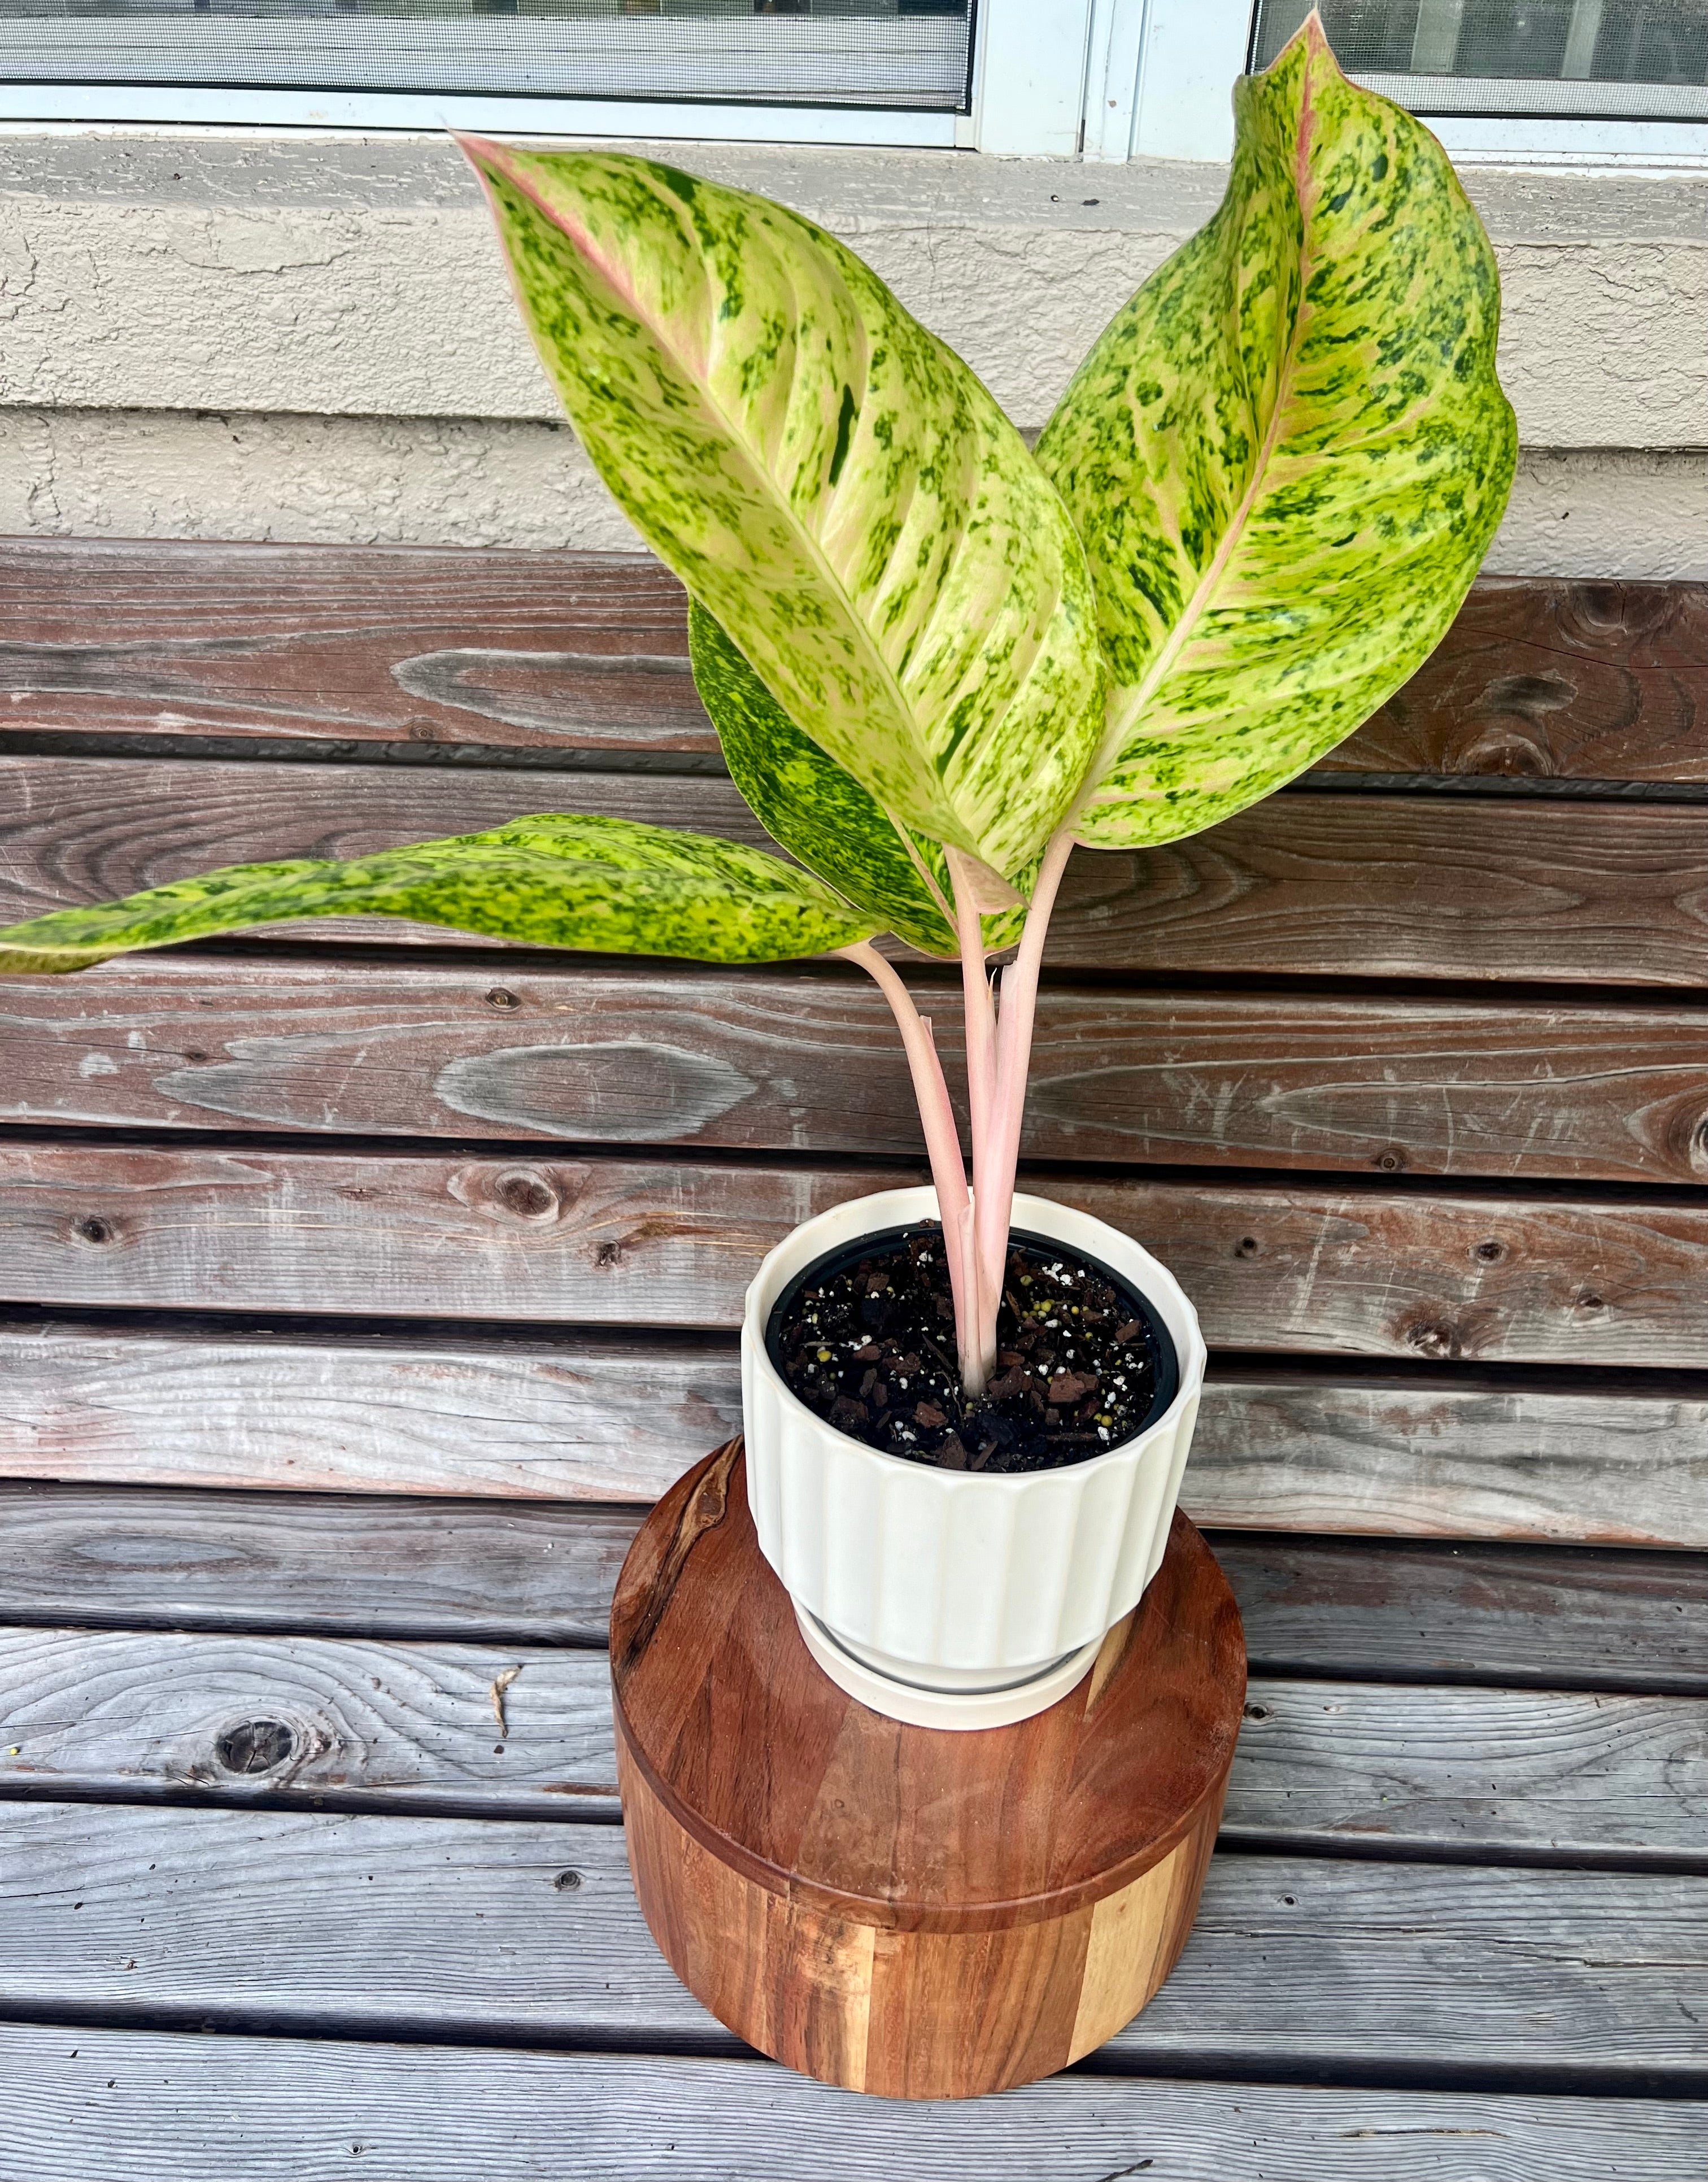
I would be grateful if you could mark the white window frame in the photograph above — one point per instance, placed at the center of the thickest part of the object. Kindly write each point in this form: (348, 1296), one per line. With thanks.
(1107, 80)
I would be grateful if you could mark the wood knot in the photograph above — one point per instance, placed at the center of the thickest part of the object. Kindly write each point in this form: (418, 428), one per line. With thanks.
(93, 1230)
(567, 1882)
(257, 1745)
(1508, 751)
(608, 1254)
(528, 1195)
(1432, 1338)
(1587, 1300)
(1257, 1712)
(1246, 1247)
(1490, 1253)
(500, 996)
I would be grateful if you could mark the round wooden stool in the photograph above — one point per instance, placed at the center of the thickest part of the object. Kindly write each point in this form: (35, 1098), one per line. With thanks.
(899, 1909)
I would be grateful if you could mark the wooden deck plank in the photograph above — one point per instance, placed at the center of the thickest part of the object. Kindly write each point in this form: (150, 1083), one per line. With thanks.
(805, 1060)
(1548, 677)
(368, 1721)
(1316, 885)
(1471, 1770)
(87, 2104)
(1276, 1450)
(527, 1572)
(323, 1924)
(311, 1563)
(601, 1416)
(1296, 1268)
(1537, 677)
(1473, 1612)
(357, 644)
(590, 1415)
(1397, 1770)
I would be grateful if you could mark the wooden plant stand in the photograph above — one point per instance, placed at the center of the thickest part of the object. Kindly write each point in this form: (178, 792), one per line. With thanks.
(904, 1910)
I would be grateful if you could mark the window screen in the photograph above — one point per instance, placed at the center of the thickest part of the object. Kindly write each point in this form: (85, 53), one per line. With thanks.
(909, 53)
(1647, 59)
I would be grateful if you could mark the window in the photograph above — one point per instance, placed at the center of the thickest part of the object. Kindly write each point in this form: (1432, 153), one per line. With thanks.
(1551, 80)
(1598, 58)
(1005, 75)
(1108, 79)
(907, 54)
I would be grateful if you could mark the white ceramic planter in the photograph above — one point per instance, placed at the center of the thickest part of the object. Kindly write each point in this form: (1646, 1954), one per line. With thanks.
(949, 1598)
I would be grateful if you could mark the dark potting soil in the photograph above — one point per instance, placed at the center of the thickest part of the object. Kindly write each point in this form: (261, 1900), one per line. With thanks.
(867, 1341)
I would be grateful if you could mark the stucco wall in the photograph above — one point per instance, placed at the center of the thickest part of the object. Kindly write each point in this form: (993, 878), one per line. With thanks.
(207, 335)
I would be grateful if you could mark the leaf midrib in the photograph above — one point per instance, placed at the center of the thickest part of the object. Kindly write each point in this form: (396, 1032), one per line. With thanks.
(1120, 726)
(585, 245)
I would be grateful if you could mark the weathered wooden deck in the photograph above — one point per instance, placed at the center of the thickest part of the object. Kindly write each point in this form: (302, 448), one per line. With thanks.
(364, 1284)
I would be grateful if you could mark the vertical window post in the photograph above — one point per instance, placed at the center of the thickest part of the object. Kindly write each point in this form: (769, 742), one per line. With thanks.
(1193, 49)
(1029, 83)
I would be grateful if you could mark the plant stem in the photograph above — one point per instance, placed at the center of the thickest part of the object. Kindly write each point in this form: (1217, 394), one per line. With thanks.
(994, 1197)
(980, 1005)
(943, 1149)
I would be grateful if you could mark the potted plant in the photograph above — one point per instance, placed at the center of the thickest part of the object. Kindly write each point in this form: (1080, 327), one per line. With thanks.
(938, 663)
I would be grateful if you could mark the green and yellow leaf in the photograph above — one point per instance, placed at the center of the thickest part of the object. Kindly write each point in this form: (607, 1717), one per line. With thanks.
(832, 484)
(1286, 456)
(805, 802)
(550, 881)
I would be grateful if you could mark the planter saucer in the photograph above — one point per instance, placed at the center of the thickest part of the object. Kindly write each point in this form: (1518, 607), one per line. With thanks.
(920, 1705)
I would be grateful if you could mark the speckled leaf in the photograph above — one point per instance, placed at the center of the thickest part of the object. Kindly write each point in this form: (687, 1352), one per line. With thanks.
(551, 881)
(1286, 456)
(828, 479)
(805, 800)
(821, 814)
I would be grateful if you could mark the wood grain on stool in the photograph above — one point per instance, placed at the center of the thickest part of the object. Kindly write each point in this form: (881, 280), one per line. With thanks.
(910, 1912)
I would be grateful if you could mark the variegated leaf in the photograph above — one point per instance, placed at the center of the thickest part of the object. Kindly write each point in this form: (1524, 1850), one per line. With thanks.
(805, 800)
(551, 881)
(821, 814)
(1286, 456)
(828, 479)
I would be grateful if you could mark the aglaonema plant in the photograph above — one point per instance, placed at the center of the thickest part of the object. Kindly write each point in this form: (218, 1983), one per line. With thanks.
(938, 662)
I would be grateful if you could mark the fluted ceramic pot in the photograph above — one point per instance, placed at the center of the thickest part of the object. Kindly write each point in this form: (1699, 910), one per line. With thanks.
(953, 1598)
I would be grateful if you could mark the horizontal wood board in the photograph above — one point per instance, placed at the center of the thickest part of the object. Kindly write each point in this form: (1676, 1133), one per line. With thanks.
(1472, 1773)
(1538, 677)
(89, 2103)
(806, 1061)
(524, 1571)
(516, 1932)
(1365, 886)
(1293, 1268)
(605, 1416)
(1548, 679)
(349, 645)
(1472, 1613)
